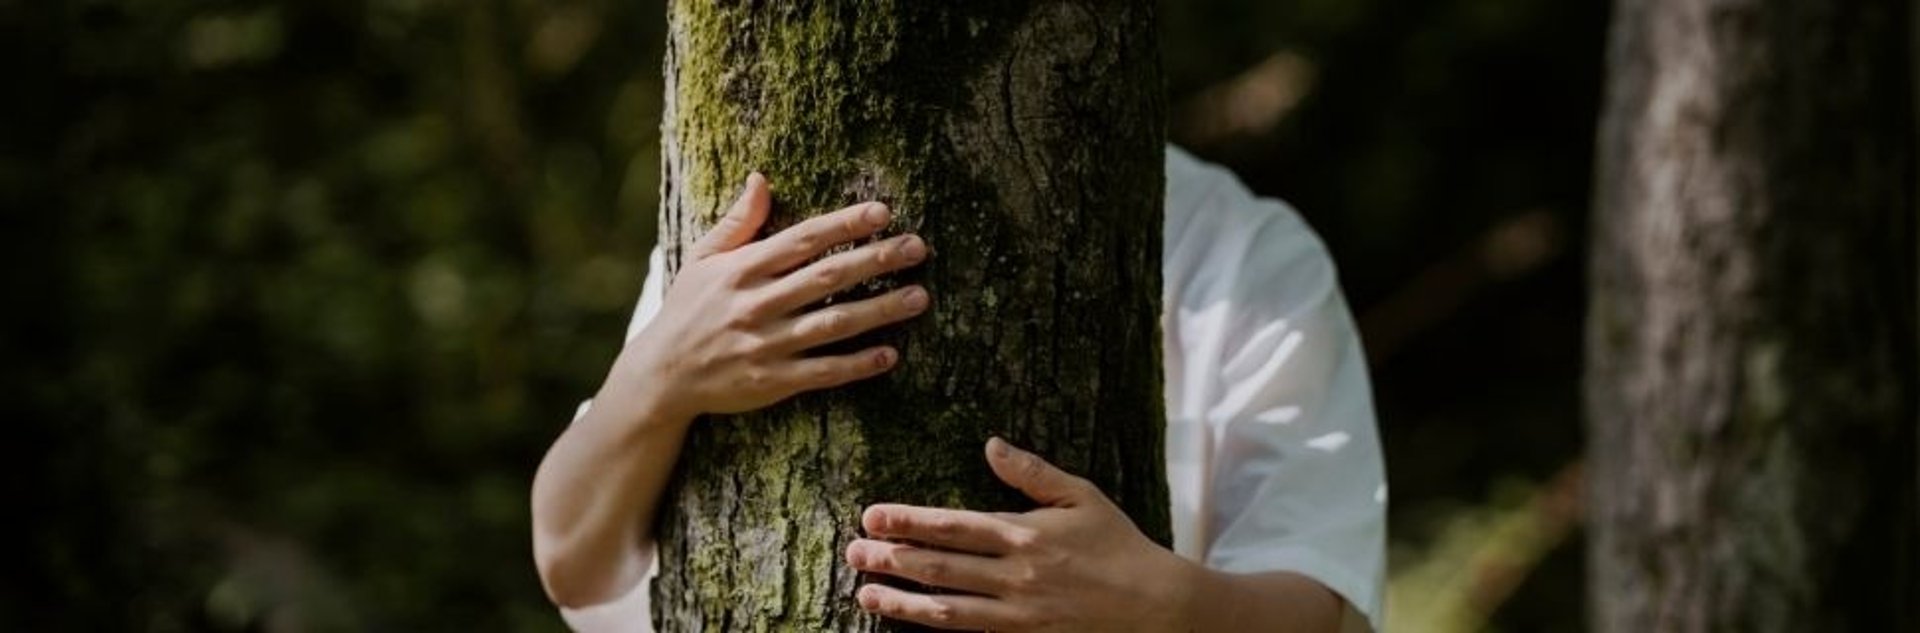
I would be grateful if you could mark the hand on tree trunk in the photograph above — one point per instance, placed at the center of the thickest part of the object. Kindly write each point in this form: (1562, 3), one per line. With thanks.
(1028, 141)
(732, 333)
(1077, 563)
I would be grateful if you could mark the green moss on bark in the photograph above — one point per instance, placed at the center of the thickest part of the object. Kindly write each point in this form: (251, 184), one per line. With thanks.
(1023, 140)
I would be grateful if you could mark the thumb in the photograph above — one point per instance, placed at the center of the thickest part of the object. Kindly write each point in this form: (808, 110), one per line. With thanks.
(740, 223)
(1028, 473)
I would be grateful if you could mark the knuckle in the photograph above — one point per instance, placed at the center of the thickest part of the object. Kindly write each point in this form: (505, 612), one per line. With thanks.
(941, 612)
(833, 322)
(1022, 539)
(1047, 562)
(899, 559)
(760, 345)
(824, 374)
(699, 361)
(759, 380)
(1024, 579)
(935, 570)
(808, 242)
(819, 327)
(727, 270)
(742, 316)
(740, 350)
(1031, 467)
(825, 278)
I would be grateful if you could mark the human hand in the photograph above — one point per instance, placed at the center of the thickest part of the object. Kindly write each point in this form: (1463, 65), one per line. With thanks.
(1075, 564)
(731, 335)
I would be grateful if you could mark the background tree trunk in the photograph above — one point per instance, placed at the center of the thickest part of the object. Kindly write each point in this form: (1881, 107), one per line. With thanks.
(1024, 141)
(1752, 335)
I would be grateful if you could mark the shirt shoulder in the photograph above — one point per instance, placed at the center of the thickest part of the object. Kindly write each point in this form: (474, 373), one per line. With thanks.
(1224, 243)
(1273, 451)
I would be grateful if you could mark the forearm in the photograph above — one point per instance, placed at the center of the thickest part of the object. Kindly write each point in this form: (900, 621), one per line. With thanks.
(1269, 601)
(597, 490)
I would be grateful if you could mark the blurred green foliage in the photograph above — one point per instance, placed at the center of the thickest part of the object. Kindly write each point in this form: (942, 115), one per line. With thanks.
(327, 277)
(300, 290)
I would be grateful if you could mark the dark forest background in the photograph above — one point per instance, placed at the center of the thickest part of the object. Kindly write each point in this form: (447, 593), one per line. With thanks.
(299, 291)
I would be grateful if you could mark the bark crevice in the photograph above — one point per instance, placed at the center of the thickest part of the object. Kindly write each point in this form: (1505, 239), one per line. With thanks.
(1031, 161)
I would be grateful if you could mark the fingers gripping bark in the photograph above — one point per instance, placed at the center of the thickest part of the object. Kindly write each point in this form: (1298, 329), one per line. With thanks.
(840, 322)
(841, 271)
(809, 374)
(952, 570)
(730, 336)
(802, 242)
(737, 227)
(949, 612)
(959, 530)
(1041, 481)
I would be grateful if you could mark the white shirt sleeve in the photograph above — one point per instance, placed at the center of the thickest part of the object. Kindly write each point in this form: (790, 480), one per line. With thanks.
(630, 613)
(1273, 457)
(1271, 439)
(651, 292)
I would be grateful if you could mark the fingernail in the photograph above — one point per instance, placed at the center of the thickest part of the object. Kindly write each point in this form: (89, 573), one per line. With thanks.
(999, 447)
(876, 213)
(913, 248)
(886, 357)
(915, 299)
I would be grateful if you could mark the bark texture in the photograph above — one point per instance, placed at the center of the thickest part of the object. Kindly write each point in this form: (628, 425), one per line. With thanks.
(1752, 334)
(1023, 140)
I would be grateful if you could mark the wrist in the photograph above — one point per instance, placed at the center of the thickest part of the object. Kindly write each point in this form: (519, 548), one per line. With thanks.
(639, 397)
(1179, 598)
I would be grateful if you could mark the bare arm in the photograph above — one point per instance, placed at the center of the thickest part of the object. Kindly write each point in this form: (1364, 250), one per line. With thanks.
(596, 492)
(1269, 601)
(731, 336)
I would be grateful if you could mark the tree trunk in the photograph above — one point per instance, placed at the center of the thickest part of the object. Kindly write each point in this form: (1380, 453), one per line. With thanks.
(1752, 335)
(1023, 140)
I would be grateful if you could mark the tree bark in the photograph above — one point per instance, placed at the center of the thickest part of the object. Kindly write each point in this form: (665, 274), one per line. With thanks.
(1752, 335)
(1024, 141)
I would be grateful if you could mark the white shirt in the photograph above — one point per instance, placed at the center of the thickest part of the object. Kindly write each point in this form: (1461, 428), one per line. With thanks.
(1273, 460)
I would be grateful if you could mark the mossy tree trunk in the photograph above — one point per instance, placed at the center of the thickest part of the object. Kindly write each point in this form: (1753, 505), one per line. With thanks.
(1023, 140)
(1752, 334)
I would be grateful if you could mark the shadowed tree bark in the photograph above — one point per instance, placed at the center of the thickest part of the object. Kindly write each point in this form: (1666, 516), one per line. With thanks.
(1752, 334)
(1023, 140)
